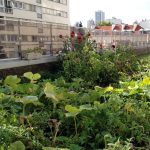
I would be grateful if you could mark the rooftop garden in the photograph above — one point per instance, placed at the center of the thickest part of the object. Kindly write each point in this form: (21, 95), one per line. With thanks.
(95, 101)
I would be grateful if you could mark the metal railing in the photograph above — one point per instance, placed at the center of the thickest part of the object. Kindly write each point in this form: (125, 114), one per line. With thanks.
(17, 36)
(6, 10)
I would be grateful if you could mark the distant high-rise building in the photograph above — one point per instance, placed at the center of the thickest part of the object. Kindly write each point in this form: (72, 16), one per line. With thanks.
(99, 16)
(114, 20)
(90, 24)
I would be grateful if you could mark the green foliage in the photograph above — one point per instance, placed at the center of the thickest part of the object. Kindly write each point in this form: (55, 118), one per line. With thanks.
(103, 69)
(118, 145)
(34, 50)
(12, 81)
(18, 145)
(79, 114)
(104, 23)
(32, 77)
(51, 148)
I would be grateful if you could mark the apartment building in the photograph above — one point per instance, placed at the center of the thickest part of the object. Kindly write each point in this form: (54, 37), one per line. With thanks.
(27, 24)
(99, 16)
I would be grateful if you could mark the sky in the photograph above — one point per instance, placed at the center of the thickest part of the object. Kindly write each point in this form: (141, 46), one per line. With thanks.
(127, 10)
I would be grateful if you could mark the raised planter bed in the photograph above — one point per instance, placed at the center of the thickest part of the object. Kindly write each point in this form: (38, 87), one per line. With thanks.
(32, 56)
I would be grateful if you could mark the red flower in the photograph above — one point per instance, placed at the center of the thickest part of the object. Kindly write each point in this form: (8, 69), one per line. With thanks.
(72, 34)
(60, 36)
(79, 37)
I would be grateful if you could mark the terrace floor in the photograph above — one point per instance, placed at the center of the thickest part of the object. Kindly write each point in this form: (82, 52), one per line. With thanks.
(15, 62)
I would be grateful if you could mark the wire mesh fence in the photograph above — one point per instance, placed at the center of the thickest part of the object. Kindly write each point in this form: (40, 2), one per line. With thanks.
(133, 39)
(18, 36)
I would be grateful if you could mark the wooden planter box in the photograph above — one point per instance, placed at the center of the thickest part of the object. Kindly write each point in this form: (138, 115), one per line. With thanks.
(32, 56)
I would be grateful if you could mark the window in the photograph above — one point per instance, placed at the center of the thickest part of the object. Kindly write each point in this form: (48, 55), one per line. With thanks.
(39, 1)
(60, 1)
(39, 15)
(2, 28)
(18, 5)
(1, 2)
(29, 7)
(2, 38)
(2, 22)
(12, 38)
(34, 38)
(39, 12)
(40, 28)
(10, 27)
(24, 38)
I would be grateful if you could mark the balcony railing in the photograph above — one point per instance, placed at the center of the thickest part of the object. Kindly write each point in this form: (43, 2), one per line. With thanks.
(6, 10)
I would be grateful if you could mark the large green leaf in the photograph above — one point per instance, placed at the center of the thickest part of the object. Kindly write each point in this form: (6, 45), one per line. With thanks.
(72, 111)
(50, 92)
(18, 145)
(145, 82)
(109, 89)
(28, 75)
(30, 99)
(32, 77)
(12, 81)
(85, 107)
(36, 76)
(51, 148)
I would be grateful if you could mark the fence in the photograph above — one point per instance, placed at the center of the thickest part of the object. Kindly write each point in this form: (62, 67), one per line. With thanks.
(16, 36)
(134, 39)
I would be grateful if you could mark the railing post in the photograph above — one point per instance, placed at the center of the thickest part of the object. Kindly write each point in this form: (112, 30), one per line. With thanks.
(19, 40)
(51, 40)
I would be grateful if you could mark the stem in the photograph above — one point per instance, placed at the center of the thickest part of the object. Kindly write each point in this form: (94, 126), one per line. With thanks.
(75, 124)
(24, 109)
(54, 139)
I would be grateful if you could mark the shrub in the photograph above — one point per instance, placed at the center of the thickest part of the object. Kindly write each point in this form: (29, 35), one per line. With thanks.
(103, 69)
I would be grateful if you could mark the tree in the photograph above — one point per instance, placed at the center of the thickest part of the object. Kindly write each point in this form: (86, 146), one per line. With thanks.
(104, 23)
(78, 24)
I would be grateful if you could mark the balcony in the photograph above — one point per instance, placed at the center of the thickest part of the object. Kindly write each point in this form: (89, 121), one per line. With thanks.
(6, 10)
(15, 62)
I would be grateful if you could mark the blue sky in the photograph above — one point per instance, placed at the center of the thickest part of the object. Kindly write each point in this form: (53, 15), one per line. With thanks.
(127, 10)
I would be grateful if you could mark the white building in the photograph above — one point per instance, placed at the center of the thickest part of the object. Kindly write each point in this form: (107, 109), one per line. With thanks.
(114, 21)
(145, 24)
(56, 11)
(28, 24)
(90, 24)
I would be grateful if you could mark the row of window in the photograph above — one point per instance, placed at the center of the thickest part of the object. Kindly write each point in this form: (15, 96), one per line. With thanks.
(40, 10)
(27, 38)
(54, 12)
(40, 1)
(60, 1)
(4, 23)
(57, 1)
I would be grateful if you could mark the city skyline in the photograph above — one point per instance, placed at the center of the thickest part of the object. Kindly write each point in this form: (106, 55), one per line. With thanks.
(129, 11)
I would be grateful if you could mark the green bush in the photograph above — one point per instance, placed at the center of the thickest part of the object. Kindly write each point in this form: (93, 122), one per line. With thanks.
(102, 69)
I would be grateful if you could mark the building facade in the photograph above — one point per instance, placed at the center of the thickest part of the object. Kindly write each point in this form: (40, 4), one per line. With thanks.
(28, 24)
(145, 24)
(114, 20)
(99, 16)
(90, 24)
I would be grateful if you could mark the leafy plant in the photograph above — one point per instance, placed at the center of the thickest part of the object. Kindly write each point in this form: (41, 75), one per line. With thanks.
(18, 145)
(32, 77)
